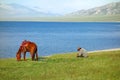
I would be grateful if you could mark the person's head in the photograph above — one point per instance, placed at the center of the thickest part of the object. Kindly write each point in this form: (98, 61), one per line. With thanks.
(79, 49)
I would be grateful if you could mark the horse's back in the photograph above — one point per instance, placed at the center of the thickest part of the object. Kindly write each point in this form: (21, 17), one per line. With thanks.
(32, 46)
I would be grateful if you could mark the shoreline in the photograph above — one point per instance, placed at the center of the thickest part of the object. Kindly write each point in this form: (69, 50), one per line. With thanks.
(56, 21)
(104, 50)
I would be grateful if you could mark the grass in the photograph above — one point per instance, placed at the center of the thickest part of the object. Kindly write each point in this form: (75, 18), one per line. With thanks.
(98, 66)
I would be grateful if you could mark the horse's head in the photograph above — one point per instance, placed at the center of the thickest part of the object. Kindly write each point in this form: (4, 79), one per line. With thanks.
(18, 54)
(18, 57)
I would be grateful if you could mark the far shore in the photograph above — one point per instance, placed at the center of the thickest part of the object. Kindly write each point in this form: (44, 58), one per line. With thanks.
(94, 18)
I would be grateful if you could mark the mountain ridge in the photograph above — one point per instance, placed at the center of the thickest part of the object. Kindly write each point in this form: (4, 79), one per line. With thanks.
(108, 9)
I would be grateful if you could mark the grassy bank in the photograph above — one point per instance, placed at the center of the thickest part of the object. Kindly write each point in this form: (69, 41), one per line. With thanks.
(98, 66)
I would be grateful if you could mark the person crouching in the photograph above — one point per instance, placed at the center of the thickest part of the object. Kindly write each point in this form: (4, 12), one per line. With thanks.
(82, 52)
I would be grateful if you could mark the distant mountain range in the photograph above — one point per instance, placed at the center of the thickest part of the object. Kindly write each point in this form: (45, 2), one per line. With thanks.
(109, 9)
(17, 10)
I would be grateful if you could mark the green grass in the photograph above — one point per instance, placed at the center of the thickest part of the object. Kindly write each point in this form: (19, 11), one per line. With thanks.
(98, 66)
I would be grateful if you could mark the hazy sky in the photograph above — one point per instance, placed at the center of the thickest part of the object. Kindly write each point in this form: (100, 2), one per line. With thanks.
(59, 6)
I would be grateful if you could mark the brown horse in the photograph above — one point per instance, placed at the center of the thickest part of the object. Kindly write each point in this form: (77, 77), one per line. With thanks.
(27, 46)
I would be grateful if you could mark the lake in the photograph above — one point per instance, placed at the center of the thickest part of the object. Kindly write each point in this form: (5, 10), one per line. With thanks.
(58, 37)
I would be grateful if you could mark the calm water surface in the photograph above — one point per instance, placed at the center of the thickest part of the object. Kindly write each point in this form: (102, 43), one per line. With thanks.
(58, 37)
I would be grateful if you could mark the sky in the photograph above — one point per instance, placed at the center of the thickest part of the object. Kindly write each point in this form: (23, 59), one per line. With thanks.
(59, 6)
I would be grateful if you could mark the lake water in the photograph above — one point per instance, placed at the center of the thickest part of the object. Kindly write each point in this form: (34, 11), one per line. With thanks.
(58, 37)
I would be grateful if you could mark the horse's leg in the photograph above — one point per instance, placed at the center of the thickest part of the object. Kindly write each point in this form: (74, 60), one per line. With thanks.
(33, 52)
(32, 56)
(24, 56)
(36, 56)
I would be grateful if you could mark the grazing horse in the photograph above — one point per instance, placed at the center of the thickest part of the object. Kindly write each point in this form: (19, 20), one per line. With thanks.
(27, 46)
